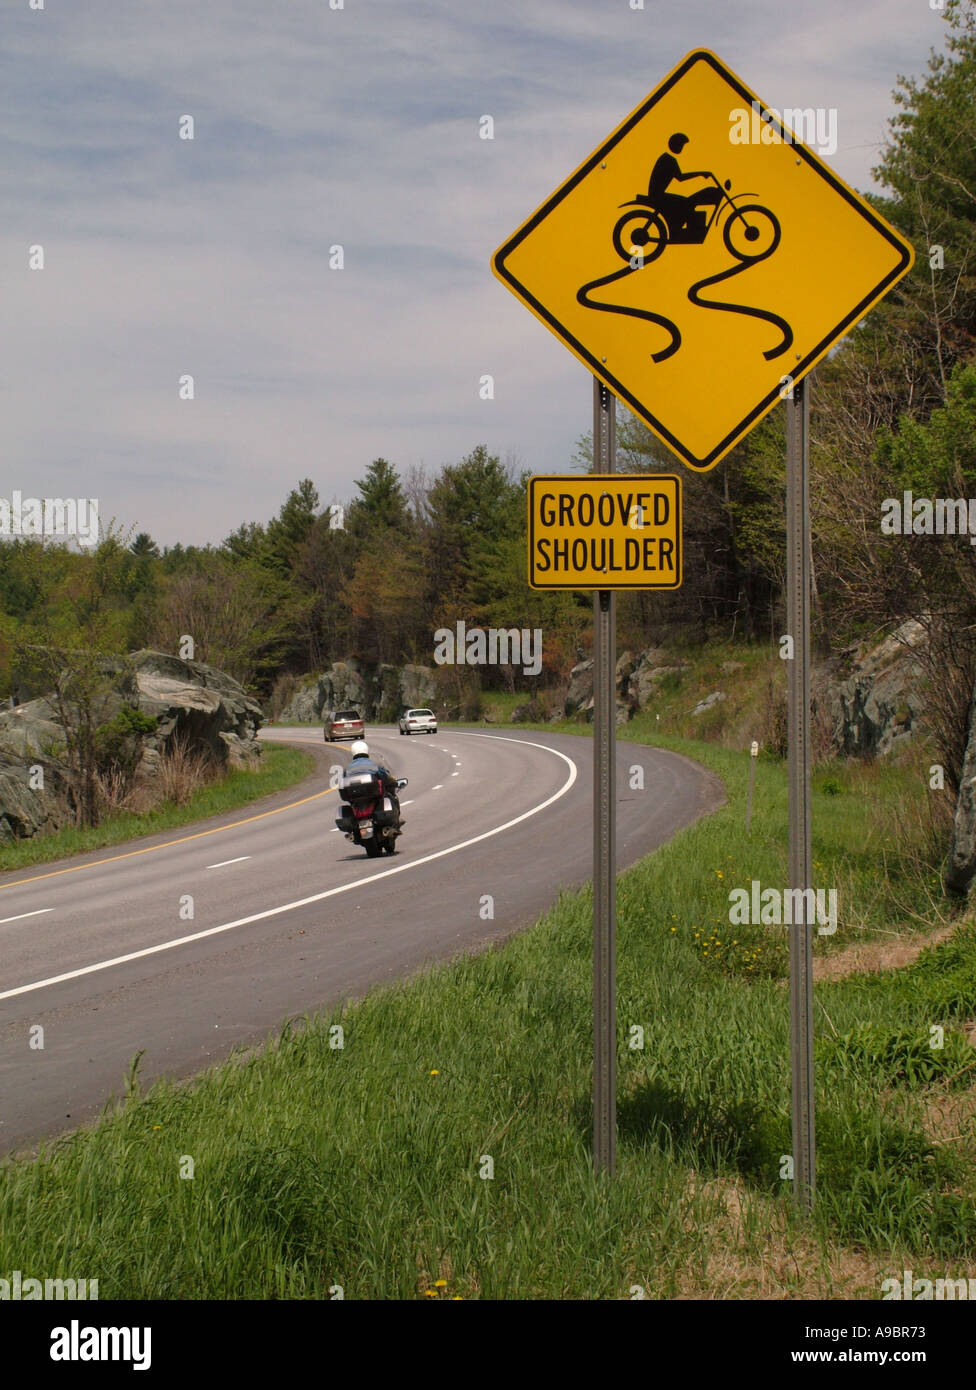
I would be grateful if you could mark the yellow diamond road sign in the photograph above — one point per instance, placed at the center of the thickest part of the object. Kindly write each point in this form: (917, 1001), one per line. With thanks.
(702, 259)
(604, 531)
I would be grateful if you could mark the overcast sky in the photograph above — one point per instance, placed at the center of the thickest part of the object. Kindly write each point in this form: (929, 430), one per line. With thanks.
(316, 127)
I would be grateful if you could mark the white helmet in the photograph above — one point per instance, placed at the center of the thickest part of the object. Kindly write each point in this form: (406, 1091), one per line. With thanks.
(360, 749)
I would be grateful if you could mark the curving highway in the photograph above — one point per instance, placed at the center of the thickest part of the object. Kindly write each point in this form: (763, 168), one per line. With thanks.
(190, 943)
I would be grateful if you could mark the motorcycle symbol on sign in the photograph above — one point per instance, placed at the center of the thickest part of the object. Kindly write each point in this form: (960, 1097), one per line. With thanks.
(660, 218)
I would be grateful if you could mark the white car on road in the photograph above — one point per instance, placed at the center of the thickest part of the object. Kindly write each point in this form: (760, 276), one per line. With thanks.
(418, 721)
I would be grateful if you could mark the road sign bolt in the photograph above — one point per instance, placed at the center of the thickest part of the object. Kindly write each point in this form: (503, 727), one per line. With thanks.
(603, 359)
(603, 164)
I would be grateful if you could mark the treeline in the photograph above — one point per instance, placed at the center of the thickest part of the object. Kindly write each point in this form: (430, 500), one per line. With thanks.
(893, 409)
(373, 577)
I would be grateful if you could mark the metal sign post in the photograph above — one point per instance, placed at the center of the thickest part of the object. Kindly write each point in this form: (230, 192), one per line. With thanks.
(604, 825)
(798, 764)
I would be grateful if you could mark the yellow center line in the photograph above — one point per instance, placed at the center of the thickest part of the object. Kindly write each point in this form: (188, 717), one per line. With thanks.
(150, 849)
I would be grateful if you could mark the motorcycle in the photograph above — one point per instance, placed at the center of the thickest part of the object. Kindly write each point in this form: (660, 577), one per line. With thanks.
(750, 233)
(369, 817)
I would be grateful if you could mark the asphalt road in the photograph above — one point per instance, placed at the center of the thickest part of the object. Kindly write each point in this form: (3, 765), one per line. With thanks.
(287, 916)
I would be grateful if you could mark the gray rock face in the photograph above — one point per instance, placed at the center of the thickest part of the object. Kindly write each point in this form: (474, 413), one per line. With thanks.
(378, 695)
(637, 678)
(716, 697)
(876, 708)
(418, 689)
(25, 808)
(645, 681)
(30, 730)
(579, 696)
(304, 707)
(342, 687)
(188, 699)
(960, 869)
(198, 702)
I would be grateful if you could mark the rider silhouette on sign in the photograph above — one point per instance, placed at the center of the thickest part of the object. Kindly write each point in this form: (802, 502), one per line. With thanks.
(654, 220)
(680, 210)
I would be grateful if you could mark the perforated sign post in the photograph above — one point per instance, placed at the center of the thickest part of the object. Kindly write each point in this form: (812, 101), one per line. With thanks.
(699, 263)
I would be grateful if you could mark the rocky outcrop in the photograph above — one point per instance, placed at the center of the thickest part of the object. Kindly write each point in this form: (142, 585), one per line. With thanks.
(199, 703)
(875, 709)
(579, 696)
(637, 679)
(418, 689)
(960, 869)
(378, 694)
(29, 800)
(188, 700)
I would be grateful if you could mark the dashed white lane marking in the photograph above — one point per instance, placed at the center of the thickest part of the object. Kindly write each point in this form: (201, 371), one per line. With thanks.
(407, 803)
(21, 915)
(439, 787)
(224, 862)
(316, 897)
(455, 774)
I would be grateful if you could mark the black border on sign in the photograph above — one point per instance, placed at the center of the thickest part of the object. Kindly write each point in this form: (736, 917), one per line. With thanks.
(700, 465)
(588, 478)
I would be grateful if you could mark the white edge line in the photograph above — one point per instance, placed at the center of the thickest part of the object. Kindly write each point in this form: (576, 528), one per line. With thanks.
(224, 862)
(316, 897)
(21, 915)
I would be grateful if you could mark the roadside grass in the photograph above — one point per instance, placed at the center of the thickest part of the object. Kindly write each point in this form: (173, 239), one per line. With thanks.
(497, 705)
(366, 1166)
(280, 767)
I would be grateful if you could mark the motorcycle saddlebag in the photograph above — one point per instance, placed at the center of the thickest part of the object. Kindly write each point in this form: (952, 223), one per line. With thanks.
(383, 815)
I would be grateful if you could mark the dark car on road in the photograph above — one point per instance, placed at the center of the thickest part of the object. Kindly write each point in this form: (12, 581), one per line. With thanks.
(343, 723)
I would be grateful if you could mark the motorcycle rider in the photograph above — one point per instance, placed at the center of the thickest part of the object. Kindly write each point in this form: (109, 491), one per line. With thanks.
(677, 208)
(362, 762)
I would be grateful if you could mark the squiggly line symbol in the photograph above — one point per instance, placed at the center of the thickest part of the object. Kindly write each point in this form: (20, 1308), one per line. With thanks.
(745, 257)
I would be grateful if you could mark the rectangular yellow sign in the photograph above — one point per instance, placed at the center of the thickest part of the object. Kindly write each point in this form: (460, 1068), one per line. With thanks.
(605, 531)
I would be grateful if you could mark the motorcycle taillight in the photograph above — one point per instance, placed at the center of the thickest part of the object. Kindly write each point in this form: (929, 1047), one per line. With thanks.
(364, 810)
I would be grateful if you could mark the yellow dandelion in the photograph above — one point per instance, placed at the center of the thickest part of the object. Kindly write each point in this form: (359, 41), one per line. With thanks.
(435, 1072)
(430, 1293)
(157, 1126)
(440, 1283)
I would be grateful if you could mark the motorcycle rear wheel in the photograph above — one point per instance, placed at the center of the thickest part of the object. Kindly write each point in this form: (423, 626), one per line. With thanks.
(373, 847)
